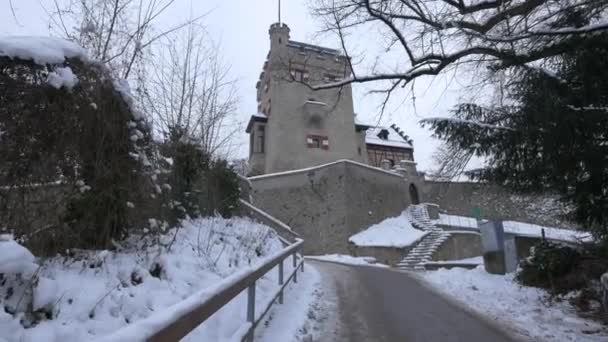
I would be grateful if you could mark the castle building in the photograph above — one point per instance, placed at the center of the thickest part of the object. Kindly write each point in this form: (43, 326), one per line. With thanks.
(297, 127)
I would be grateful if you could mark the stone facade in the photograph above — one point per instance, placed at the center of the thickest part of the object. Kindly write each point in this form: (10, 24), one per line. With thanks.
(298, 127)
(302, 127)
(460, 245)
(329, 203)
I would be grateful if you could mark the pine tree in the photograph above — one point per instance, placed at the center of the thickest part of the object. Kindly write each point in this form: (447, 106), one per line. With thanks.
(553, 137)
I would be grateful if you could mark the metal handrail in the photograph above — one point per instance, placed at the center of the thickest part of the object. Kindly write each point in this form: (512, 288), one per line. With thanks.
(185, 322)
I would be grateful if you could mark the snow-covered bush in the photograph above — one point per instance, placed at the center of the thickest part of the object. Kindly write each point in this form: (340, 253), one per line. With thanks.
(69, 162)
(549, 263)
(565, 271)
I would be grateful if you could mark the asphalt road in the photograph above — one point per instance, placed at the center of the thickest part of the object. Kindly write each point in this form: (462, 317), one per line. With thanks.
(383, 305)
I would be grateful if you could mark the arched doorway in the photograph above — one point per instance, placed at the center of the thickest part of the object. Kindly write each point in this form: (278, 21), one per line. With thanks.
(414, 194)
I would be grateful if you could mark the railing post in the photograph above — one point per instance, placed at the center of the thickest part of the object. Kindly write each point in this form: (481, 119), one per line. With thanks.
(295, 264)
(251, 309)
(281, 282)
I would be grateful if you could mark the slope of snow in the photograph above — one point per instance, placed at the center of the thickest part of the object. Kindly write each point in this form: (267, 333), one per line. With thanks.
(347, 260)
(93, 294)
(524, 309)
(392, 232)
(41, 50)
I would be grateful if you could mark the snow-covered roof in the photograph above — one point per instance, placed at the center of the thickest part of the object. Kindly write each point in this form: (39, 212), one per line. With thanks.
(393, 139)
(258, 117)
(41, 50)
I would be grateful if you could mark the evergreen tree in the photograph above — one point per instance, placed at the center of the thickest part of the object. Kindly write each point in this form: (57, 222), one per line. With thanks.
(554, 135)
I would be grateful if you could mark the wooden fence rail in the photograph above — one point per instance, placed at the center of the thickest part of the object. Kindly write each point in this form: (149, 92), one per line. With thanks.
(182, 321)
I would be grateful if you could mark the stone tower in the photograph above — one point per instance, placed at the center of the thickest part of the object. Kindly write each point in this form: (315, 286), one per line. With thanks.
(297, 127)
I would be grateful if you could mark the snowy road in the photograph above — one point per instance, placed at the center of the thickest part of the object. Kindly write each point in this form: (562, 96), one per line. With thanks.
(379, 304)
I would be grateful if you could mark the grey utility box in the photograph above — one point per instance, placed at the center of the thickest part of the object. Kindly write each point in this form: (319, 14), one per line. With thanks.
(493, 247)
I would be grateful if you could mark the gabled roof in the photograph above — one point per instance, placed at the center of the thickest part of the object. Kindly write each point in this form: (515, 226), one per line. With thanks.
(259, 117)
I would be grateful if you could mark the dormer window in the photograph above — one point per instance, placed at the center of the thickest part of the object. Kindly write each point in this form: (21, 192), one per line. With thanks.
(259, 140)
(383, 134)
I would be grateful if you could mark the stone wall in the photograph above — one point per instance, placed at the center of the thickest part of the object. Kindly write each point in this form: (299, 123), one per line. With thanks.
(328, 204)
(460, 245)
(285, 232)
(385, 255)
(496, 203)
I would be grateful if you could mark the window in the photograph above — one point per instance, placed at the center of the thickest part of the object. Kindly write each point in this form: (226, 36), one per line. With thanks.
(266, 86)
(251, 142)
(317, 141)
(299, 75)
(259, 140)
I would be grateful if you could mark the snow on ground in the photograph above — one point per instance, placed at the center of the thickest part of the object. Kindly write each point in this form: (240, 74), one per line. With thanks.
(524, 309)
(533, 230)
(14, 257)
(392, 232)
(288, 322)
(478, 260)
(347, 259)
(456, 221)
(93, 294)
(517, 228)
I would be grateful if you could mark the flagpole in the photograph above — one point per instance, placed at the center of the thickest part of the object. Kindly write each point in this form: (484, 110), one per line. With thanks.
(280, 12)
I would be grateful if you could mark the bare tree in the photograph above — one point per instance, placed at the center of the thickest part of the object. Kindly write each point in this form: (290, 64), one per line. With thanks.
(115, 32)
(191, 89)
(433, 36)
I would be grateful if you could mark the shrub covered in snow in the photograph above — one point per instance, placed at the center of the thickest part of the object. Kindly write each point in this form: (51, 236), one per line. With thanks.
(562, 270)
(79, 167)
(65, 123)
(69, 166)
(547, 266)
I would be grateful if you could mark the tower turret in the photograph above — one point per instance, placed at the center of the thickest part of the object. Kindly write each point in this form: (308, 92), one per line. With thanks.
(279, 35)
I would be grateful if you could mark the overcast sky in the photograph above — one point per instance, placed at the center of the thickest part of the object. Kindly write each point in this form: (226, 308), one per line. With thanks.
(242, 28)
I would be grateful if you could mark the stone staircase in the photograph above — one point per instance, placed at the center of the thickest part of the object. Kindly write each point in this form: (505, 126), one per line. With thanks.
(423, 252)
